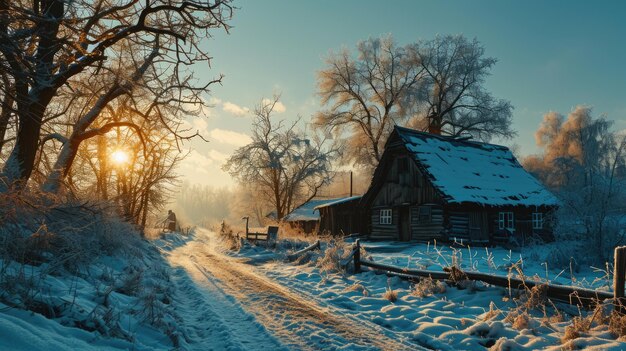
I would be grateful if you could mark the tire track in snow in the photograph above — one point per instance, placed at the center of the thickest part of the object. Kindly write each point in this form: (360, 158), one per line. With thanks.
(299, 324)
(214, 320)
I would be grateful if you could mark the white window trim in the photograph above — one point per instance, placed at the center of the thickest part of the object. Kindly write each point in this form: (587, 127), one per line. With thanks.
(386, 216)
(537, 220)
(506, 220)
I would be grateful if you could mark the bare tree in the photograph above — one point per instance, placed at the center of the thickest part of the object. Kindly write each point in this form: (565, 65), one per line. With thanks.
(142, 183)
(436, 86)
(366, 95)
(453, 99)
(48, 44)
(284, 164)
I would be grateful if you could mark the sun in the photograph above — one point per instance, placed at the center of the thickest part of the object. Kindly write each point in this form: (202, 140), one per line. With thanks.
(119, 157)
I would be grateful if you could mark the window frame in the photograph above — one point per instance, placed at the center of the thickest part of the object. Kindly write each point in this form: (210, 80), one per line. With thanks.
(506, 220)
(385, 216)
(537, 220)
(420, 214)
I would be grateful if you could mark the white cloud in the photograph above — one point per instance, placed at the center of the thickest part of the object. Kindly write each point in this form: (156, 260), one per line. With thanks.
(235, 109)
(196, 162)
(230, 137)
(279, 107)
(213, 101)
(200, 124)
(218, 157)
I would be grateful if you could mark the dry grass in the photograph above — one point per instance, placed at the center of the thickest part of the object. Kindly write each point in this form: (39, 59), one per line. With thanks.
(617, 325)
(336, 253)
(521, 321)
(535, 297)
(391, 295)
(427, 287)
(358, 287)
(579, 327)
(493, 312)
(330, 262)
(295, 233)
(228, 238)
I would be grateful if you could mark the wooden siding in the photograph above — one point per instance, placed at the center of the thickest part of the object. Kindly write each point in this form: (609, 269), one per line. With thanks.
(385, 231)
(427, 230)
(410, 187)
(342, 219)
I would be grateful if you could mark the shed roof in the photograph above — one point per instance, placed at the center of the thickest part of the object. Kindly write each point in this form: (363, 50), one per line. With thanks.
(306, 211)
(474, 172)
(339, 201)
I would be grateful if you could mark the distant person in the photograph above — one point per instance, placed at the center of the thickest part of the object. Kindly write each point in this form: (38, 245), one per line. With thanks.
(171, 221)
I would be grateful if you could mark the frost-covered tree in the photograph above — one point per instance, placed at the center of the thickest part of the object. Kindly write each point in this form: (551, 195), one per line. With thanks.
(283, 164)
(453, 98)
(584, 162)
(366, 95)
(435, 85)
(50, 44)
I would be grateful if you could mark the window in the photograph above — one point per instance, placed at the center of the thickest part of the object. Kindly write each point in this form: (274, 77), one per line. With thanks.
(385, 216)
(506, 221)
(537, 220)
(424, 214)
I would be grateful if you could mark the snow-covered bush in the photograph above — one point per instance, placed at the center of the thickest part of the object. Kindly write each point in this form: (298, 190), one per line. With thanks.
(428, 286)
(335, 255)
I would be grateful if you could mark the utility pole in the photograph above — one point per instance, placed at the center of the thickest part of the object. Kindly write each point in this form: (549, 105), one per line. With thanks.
(350, 183)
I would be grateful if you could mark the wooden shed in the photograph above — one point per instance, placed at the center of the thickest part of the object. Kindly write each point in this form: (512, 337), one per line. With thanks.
(306, 217)
(341, 217)
(430, 186)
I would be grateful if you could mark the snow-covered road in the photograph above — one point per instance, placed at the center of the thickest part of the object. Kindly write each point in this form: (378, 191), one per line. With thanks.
(230, 305)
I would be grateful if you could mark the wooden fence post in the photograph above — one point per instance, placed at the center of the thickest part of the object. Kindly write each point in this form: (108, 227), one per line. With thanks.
(619, 278)
(357, 256)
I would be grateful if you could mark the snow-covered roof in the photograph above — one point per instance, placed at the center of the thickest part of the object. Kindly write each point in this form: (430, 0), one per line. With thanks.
(338, 201)
(306, 211)
(475, 172)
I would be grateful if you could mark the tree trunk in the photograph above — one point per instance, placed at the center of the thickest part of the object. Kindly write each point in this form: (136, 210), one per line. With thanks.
(32, 101)
(103, 171)
(61, 166)
(21, 161)
(5, 112)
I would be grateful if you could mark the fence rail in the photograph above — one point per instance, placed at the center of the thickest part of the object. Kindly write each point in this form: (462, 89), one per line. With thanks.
(569, 294)
(295, 255)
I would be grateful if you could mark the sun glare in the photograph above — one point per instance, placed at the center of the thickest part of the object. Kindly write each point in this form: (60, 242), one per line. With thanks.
(119, 157)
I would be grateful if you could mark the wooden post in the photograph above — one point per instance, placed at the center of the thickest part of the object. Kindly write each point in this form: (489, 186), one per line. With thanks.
(619, 278)
(246, 218)
(357, 256)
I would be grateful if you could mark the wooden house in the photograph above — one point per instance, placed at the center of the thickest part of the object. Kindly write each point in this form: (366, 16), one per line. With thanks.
(429, 186)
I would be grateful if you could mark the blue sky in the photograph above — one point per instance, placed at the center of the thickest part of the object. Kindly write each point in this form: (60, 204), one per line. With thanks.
(553, 55)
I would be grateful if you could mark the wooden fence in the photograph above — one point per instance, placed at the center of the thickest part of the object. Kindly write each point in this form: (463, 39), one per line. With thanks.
(569, 294)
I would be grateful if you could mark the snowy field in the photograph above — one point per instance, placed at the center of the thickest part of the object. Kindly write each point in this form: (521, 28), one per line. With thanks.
(193, 293)
(447, 318)
(121, 300)
(543, 262)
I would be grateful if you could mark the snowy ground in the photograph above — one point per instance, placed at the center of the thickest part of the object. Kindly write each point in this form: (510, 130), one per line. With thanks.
(536, 261)
(195, 295)
(469, 319)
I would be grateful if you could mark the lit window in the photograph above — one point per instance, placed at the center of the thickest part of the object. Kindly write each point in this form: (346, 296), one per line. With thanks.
(537, 220)
(385, 216)
(506, 221)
